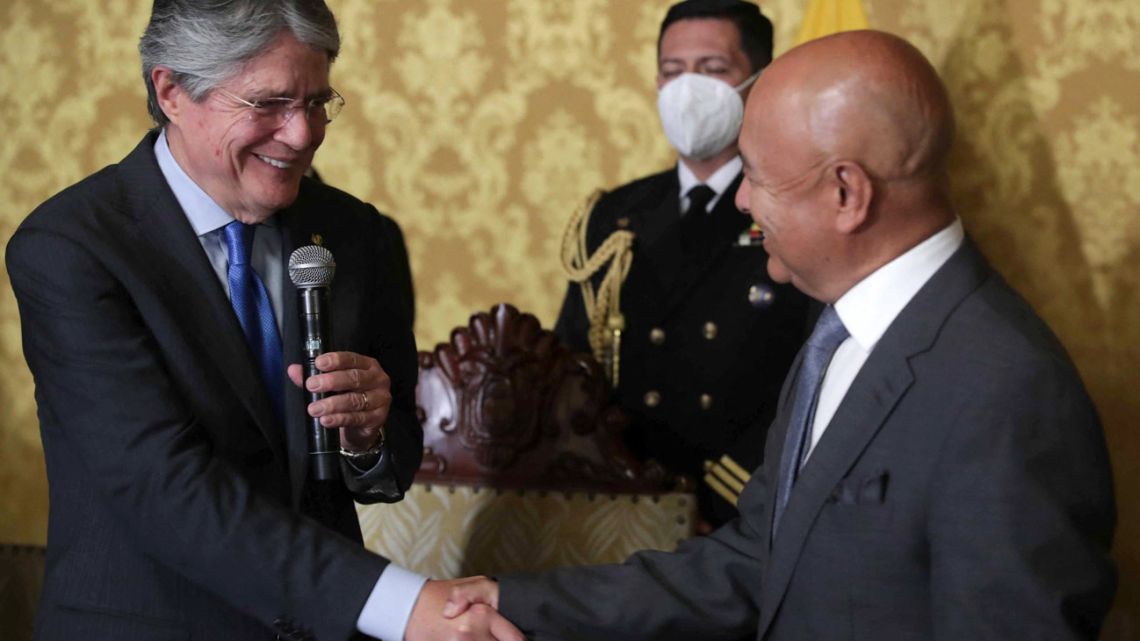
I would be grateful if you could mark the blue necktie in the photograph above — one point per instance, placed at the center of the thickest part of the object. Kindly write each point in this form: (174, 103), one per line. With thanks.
(254, 312)
(829, 332)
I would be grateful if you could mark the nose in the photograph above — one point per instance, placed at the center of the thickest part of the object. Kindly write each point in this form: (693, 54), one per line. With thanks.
(298, 131)
(742, 197)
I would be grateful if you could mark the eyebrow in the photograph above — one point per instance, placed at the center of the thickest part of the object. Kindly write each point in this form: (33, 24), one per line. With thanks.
(274, 95)
(703, 59)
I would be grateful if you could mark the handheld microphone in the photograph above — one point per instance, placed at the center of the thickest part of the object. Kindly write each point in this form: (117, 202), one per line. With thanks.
(311, 269)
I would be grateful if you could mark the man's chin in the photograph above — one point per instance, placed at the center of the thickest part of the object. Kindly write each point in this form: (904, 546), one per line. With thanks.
(280, 196)
(777, 271)
(264, 208)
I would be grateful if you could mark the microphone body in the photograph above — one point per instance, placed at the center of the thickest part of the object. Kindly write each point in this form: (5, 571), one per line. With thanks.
(311, 269)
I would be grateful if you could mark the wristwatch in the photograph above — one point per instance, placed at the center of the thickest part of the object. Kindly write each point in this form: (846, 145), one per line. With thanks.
(365, 459)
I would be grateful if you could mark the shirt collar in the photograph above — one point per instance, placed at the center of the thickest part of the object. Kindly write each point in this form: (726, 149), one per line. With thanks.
(204, 214)
(720, 180)
(869, 308)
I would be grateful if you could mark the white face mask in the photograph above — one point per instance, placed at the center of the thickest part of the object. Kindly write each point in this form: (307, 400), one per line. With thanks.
(701, 114)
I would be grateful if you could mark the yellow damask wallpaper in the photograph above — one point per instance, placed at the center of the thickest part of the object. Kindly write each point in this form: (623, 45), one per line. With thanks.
(481, 124)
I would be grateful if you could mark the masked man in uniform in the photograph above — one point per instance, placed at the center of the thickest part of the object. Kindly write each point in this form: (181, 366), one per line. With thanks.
(706, 336)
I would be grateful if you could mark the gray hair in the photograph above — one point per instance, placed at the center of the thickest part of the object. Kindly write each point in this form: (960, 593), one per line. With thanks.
(206, 42)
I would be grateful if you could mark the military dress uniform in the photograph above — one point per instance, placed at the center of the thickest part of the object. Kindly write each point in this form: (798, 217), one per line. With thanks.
(708, 336)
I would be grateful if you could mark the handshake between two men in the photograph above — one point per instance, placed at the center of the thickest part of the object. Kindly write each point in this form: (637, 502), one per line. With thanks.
(460, 610)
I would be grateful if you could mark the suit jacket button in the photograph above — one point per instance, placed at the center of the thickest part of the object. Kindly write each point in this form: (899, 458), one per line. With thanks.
(710, 330)
(657, 336)
(652, 398)
(706, 401)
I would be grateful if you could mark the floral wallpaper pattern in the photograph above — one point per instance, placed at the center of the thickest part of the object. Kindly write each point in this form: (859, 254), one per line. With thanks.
(480, 126)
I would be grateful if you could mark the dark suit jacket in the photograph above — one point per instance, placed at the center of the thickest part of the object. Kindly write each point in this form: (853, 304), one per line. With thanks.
(962, 491)
(692, 286)
(175, 494)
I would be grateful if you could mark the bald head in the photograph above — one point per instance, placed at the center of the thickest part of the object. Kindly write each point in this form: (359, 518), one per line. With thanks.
(850, 134)
(869, 96)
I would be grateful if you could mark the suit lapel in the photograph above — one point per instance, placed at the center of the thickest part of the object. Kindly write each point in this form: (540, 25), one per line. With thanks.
(772, 454)
(867, 403)
(654, 215)
(189, 286)
(687, 267)
(876, 390)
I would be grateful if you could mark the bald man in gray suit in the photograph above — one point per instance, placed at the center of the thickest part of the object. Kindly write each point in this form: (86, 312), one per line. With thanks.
(937, 471)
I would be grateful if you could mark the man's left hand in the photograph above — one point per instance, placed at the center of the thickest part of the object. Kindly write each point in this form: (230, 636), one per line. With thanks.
(358, 397)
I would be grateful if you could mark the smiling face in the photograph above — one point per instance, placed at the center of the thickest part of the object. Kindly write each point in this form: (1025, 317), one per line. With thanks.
(785, 193)
(246, 165)
(845, 144)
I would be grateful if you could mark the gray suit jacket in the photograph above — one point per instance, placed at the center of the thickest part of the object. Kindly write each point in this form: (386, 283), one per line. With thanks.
(962, 491)
(177, 504)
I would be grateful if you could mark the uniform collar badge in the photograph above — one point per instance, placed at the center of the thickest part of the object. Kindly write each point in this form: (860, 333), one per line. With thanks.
(751, 236)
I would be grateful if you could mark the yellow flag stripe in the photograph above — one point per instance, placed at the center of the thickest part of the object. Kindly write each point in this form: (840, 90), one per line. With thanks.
(825, 17)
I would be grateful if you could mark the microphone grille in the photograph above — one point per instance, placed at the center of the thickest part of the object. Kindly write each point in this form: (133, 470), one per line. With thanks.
(311, 266)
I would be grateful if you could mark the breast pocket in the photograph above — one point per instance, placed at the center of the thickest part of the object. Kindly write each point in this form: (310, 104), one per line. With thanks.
(860, 502)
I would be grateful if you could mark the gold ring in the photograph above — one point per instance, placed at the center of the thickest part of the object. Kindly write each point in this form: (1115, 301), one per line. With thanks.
(363, 401)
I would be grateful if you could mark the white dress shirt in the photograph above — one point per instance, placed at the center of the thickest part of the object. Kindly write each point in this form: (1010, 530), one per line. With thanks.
(869, 308)
(386, 612)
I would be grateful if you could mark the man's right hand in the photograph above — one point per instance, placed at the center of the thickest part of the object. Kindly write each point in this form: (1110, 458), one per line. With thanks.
(460, 610)
(466, 593)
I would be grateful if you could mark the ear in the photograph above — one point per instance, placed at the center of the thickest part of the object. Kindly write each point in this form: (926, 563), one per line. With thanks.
(853, 191)
(168, 93)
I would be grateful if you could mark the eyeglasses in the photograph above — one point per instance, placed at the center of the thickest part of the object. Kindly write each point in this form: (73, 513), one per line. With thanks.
(276, 112)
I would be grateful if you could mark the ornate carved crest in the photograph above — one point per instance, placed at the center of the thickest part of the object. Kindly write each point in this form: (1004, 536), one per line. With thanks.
(505, 404)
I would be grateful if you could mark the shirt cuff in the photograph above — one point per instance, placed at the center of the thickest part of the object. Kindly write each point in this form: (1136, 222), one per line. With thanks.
(386, 612)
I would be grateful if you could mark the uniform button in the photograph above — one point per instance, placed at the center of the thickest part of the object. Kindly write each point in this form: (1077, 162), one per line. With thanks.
(652, 398)
(657, 336)
(706, 401)
(710, 330)
(760, 295)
